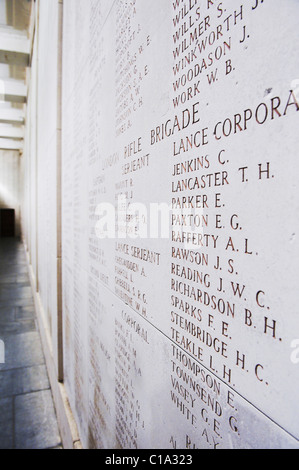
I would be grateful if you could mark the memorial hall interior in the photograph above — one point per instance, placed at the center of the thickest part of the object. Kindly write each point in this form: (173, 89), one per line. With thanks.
(149, 221)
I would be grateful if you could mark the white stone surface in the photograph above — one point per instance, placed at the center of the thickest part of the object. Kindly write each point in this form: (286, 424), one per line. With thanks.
(176, 346)
(41, 167)
(13, 91)
(11, 132)
(47, 166)
(11, 116)
(11, 144)
(15, 47)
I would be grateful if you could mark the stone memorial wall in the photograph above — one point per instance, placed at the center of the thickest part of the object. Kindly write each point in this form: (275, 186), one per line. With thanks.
(180, 222)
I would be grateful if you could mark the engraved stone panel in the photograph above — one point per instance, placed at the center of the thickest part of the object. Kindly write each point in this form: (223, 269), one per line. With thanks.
(180, 215)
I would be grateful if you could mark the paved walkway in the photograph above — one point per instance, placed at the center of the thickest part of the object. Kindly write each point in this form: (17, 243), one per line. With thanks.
(27, 415)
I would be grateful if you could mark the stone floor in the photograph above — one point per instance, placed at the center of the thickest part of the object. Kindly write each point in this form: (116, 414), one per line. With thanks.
(27, 414)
